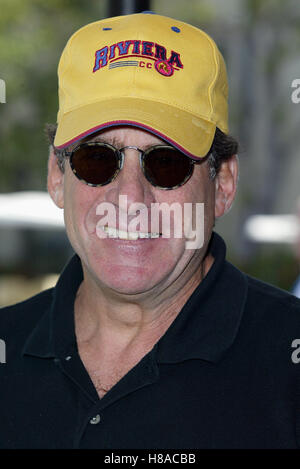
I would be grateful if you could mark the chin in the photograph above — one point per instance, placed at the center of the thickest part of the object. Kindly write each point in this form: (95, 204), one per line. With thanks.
(128, 280)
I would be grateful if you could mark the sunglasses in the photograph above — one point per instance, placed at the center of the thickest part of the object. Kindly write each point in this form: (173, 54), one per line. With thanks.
(98, 164)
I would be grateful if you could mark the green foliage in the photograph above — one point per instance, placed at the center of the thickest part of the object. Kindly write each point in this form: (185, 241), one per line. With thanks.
(191, 11)
(33, 34)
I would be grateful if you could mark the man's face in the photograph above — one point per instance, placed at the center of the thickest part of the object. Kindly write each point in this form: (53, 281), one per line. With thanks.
(130, 266)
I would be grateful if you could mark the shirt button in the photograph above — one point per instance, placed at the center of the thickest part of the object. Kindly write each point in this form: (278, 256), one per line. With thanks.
(95, 419)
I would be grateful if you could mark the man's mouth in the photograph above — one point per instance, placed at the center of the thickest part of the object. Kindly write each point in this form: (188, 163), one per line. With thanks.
(130, 235)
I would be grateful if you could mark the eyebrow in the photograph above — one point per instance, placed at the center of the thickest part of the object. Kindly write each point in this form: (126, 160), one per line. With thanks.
(116, 142)
(111, 141)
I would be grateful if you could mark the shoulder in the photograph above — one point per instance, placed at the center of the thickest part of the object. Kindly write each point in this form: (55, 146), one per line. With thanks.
(270, 312)
(269, 326)
(25, 314)
(265, 295)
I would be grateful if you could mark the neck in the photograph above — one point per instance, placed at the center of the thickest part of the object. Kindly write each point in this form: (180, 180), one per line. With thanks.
(103, 316)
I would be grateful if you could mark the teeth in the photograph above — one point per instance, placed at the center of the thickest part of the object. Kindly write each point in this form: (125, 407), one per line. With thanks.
(131, 235)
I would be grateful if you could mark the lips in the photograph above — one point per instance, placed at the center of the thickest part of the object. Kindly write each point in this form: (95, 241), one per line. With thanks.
(128, 235)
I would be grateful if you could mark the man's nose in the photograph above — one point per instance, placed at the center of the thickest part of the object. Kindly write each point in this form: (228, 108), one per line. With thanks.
(131, 181)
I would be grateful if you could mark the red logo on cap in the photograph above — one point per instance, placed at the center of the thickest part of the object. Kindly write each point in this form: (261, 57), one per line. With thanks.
(113, 55)
(164, 68)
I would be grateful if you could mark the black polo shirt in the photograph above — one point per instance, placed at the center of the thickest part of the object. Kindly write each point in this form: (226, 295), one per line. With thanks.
(222, 376)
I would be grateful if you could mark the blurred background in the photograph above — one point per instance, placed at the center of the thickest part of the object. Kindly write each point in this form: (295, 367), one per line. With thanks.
(260, 40)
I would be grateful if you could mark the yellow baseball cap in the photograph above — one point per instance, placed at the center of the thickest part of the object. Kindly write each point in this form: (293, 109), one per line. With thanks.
(145, 70)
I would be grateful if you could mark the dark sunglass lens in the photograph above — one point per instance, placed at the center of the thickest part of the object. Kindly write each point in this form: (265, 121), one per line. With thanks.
(95, 164)
(166, 167)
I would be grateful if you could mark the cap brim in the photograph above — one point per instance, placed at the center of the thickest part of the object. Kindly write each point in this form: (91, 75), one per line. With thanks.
(190, 134)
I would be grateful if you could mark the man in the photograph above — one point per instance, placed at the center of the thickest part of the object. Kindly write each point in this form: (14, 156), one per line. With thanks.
(146, 341)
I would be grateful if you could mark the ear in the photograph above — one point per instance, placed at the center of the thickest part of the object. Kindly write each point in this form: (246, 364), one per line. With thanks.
(55, 181)
(225, 185)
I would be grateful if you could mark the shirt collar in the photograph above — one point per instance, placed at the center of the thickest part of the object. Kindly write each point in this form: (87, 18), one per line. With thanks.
(205, 327)
(54, 334)
(208, 323)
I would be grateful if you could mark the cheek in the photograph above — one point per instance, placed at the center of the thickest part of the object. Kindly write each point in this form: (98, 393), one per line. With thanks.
(199, 188)
(78, 198)
(201, 191)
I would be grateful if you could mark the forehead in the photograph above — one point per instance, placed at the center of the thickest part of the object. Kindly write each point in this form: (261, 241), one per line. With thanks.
(124, 135)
